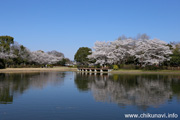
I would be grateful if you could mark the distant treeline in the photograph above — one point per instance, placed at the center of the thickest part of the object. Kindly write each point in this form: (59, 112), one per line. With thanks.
(131, 53)
(125, 52)
(13, 54)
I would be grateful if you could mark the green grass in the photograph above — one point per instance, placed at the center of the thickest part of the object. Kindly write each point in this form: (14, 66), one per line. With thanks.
(123, 71)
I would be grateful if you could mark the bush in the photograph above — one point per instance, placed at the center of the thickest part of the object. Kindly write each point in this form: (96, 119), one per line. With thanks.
(74, 66)
(110, 66)
(115, 67)
(128, 67)
(50, 66)
(2, 64)
(151, 67)
(137, 67)
(82, 66)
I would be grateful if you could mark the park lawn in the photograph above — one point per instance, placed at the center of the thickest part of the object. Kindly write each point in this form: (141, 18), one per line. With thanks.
(120, 71)
(123, 71)
(22, 70)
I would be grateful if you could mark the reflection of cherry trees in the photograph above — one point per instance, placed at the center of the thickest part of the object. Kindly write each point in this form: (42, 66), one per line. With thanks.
(139, 90)
(43, 79)
(145, 93)
(14, 84)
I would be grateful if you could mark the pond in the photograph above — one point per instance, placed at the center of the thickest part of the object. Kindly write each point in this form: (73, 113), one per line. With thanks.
(80, 96)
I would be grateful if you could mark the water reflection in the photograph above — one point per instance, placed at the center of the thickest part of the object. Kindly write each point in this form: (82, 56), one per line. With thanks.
(12, 85)
(142, 91)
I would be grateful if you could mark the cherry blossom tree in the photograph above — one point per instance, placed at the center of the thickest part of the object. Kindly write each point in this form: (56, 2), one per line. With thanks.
(22, 53)
(149, 52)
(145, 51)
(120, 50)
(41, 57)
(6, 54)
(12, 53)
(112, 52)
(56, 53)
(100, 53)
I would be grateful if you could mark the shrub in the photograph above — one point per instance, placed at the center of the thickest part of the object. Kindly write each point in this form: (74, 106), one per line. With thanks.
(137, 67)
(151, 67)
(110, 66)
(115, 67)
(128, 67)
(2, 64)
(74, 66)
(50, 66)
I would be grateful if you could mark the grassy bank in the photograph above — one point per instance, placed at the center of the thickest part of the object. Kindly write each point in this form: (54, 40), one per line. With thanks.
(24, 70)
(122, 71)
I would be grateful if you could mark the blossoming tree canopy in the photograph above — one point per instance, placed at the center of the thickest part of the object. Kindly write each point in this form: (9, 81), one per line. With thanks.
(152, 51)
(12, 53)
(41, 57)
(145, 51)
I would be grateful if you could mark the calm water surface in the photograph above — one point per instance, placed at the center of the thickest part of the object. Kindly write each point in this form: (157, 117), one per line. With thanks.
(77, 96)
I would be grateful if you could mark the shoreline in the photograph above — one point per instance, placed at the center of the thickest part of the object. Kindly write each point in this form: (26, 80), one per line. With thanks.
(55, 69)
(30, 70)
(177, 72)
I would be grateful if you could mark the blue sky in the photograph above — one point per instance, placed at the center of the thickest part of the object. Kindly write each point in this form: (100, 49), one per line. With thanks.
(66, 25)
